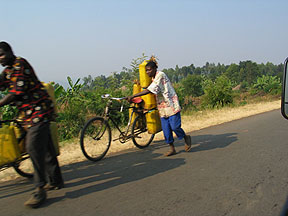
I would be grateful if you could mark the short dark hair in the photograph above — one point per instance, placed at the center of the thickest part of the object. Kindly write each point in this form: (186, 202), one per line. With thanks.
(152, 64)
(5, 46)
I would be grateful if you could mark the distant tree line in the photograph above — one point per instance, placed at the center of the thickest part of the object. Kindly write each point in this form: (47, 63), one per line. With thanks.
(244, 73)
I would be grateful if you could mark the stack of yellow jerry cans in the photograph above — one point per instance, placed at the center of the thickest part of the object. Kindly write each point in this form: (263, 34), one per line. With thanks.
(152, 117)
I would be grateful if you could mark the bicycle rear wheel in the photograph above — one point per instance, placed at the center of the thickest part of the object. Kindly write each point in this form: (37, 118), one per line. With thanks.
(140, 136)
(95, 139)
(24, 167)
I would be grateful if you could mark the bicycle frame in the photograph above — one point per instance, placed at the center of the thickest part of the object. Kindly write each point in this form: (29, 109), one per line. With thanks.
(124, 135)
(96, 135)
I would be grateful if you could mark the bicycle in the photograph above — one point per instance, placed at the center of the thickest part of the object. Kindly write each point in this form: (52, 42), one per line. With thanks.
(96, 137)
(22, 165)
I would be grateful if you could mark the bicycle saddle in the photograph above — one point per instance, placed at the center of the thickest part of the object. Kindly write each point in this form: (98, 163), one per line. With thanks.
(137, 100)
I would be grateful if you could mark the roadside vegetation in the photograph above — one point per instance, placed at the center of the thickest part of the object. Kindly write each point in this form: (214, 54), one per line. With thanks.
(199, 89)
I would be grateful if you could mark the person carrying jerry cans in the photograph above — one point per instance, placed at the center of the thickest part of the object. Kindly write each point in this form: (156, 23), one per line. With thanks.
(167, 104)
(36, 110)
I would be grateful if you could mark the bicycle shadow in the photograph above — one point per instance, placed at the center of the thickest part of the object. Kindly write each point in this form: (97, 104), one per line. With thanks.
(88, 177)
(16, 187)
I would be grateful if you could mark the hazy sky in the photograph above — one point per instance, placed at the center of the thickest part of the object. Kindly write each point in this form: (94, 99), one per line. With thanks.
(78, 38)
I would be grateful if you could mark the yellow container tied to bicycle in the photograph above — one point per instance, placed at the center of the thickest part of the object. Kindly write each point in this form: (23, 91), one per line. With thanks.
(153, 122)
(9, 149)
(18, 134)
(50, 89)
(145, 80)
(53, 132)
(54, 136)
(53, 125)
(149, 101)
(136, 89)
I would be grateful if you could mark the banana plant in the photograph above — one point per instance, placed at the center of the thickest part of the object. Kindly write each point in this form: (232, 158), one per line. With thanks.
(64, 96)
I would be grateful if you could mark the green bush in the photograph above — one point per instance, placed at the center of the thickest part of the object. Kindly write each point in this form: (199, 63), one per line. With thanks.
(7, 111)
(218, 93)
(267, 84)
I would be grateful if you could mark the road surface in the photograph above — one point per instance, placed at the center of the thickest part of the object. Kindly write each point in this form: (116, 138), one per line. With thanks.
(237, 168)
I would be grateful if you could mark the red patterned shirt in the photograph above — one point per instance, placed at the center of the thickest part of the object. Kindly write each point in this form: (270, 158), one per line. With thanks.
(167, 99)
(31, 99)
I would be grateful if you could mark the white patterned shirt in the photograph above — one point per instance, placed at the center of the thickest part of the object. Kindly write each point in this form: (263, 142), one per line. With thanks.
(167, 99)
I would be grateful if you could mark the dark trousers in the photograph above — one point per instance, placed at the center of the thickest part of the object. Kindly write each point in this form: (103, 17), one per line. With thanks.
(40, 147)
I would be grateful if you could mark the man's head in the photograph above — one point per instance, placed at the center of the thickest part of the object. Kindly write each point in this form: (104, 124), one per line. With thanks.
(151, 68)
(6, 54)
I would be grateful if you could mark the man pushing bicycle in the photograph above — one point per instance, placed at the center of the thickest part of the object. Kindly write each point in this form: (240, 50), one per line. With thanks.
(167, 104)
(36, 110)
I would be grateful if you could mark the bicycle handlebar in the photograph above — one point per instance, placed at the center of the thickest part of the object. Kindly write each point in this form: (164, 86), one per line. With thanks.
(108, 96)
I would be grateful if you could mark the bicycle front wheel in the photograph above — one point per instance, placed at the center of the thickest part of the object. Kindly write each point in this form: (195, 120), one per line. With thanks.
(24, 167)
(140, 136)
(95, 139)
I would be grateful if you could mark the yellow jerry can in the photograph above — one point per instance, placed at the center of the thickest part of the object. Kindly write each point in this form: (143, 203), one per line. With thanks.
(149, 101)
(153, 122)
(145, 80)
(53, 125)
(18, 134)
(54, 136)
(136, 89)
(9, 149)
(50, 89)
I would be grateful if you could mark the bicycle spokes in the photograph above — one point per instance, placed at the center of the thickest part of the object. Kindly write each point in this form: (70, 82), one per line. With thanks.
(95, 139)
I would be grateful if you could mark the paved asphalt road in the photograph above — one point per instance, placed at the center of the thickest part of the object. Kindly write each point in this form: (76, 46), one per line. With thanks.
(237, 168)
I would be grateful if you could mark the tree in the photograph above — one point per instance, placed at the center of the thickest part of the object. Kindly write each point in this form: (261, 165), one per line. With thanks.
(249, 71)
(233, 73)
(193, 85)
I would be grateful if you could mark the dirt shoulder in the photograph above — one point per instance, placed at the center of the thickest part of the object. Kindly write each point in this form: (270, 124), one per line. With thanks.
(71, 152)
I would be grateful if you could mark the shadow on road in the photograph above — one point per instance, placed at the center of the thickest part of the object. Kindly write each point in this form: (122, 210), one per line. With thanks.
(83, 178)
(202, 142)
(88, 177)
(15, 187)
(208, 142)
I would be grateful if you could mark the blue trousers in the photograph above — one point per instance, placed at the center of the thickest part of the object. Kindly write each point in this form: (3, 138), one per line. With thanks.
(172, 123)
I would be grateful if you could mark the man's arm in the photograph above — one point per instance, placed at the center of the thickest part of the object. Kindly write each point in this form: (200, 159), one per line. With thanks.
(144, 92)
(7, 99)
